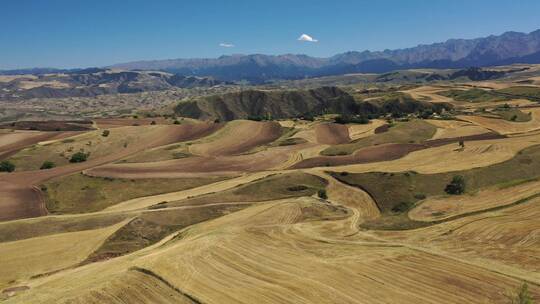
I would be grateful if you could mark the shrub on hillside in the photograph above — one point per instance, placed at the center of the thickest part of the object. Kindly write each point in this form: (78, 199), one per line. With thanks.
(426, 114)
(523, 296)
(78, 157)
(105, 133)
(7, 166)
(456, 186)
(322, 194)
(47, 165)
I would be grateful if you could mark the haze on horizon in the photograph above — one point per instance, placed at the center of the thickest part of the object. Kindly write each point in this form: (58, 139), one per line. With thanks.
(64, 34)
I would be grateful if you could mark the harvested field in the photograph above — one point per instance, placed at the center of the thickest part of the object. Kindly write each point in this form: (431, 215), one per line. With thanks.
(430, 93)
(26, 258)
(220, 261)
(455, 128)
(438, 208)
(507, 127)
(152, 226)
(357, 131)
(503, 240)
(127, 287)
(450, 157)
(224, 165)
(384, 152)
(332, 134)
(237, 137)
(415, 131)
(379, 153)
(20, 201)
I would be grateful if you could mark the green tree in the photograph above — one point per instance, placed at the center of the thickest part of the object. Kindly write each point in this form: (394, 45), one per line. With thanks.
(47, 165)
(105, 133)
(456, 186)
(7, 166)
(322, 194)
(78, 157)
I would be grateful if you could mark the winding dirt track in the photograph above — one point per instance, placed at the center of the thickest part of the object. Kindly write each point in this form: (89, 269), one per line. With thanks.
(19, 198)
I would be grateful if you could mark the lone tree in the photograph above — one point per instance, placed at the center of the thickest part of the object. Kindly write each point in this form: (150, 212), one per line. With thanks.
(105, 133)
(7, 166)
(462, 144)
(456, 186)
(322, 194)
(78, 157)
(47, 165)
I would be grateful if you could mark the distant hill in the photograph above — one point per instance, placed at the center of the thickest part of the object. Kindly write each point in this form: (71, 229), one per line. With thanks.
(279, 104)
(95, 81)
(508, 48)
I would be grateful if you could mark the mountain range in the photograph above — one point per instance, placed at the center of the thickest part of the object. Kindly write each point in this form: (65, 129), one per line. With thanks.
(508, 48)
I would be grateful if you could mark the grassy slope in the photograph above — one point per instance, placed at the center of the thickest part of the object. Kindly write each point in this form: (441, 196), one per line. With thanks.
(19, 230)
(153, 226)
(523, 91)
(79, 193)
(173, 151)
(413, 131)
(390, 189)
(513, 114)
(396, 193)
(479, 95)
(472, 95)
(269, 188)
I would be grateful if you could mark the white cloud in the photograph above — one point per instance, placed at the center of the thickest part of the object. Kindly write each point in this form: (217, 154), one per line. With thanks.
(226, 45)
(308, 38)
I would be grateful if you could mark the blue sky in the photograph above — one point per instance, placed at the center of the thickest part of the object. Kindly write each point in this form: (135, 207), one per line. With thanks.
(71, 33)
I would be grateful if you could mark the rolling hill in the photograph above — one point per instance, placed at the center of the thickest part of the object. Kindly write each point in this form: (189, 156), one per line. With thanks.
(279, 104)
